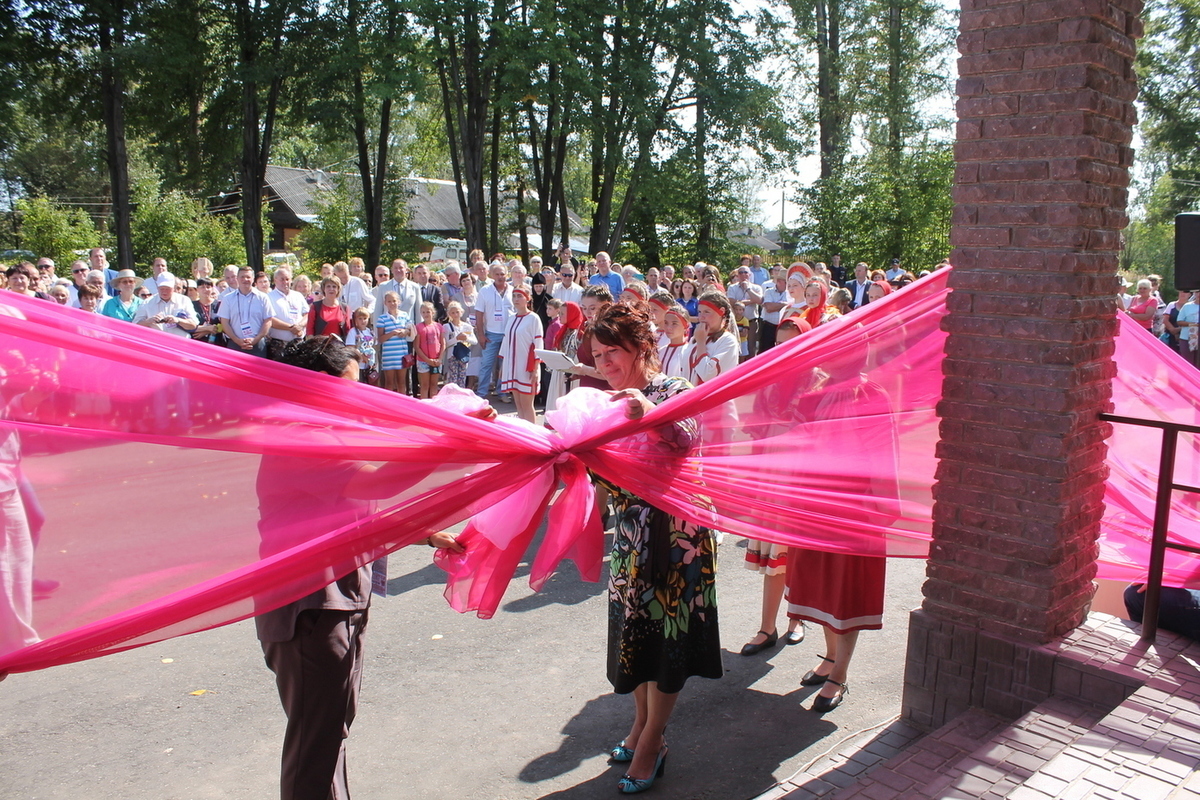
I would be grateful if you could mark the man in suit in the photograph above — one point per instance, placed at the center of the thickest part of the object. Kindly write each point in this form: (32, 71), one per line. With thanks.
(429, 292)
(858, 286)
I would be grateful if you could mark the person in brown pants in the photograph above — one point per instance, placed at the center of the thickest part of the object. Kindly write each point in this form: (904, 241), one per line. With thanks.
(314, 645)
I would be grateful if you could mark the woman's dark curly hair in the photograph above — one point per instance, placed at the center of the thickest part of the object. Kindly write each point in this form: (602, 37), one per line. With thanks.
(320, 354)
(628, 327)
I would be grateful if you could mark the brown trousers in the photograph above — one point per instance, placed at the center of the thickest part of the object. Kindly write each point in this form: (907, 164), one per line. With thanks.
(318, 674)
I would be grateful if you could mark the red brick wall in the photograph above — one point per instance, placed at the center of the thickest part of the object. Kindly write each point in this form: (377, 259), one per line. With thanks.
(1045, 115)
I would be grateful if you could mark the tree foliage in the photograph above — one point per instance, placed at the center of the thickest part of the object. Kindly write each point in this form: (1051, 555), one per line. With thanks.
(889, 197)
(51, 230)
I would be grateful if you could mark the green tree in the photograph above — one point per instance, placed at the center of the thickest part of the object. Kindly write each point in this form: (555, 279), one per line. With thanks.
(1168, 65)
(178, 228)
(337, 234)
(51, 230)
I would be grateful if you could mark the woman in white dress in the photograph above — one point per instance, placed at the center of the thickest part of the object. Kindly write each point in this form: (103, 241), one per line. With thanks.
(714, 346)
(673, 349)
(519, 371)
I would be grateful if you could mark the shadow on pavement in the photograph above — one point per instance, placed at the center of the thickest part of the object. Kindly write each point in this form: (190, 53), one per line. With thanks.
(727, 739)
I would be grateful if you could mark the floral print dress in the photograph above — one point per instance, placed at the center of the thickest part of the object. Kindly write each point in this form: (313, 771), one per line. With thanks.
(662, 599)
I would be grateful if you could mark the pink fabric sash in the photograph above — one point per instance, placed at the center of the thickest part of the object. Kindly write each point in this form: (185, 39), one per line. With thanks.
(132, 465)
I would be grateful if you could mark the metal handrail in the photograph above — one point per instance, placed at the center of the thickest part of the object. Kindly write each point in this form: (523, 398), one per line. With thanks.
(1162, 513)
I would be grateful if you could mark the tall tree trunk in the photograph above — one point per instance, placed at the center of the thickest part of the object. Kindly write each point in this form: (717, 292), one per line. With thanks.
(830, 114)
(704, 227)
(452, 113)
(494, 187)
(112, 93)
(375, 224)
(895, 110)
(522, 224)
(251, 22)
(362, 144)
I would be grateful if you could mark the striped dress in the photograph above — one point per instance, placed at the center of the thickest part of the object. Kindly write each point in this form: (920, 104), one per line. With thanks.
(394, 350)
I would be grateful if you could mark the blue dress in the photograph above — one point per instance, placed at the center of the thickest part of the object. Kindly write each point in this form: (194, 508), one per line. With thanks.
(394, 349)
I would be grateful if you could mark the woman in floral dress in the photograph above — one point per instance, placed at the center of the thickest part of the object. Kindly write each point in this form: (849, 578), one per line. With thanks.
(662, 595)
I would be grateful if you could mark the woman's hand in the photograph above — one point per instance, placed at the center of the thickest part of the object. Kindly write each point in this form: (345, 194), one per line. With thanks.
(446, 541)
(636, 404)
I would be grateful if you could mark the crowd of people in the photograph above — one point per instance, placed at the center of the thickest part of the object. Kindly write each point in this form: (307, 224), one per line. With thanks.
(531, 334)
(491, 326)
(1174, 323)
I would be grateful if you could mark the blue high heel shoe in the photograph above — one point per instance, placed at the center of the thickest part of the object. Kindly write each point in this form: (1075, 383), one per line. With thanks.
(629, 785)
(620, 753)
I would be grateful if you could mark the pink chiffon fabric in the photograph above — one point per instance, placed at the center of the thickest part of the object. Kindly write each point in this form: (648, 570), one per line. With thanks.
(140, 456)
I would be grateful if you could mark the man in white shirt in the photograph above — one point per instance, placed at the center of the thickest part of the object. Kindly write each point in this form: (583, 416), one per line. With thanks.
(858, 287)
(751, 296)
(566, 289)
(167, 311)
(289, 313)
(775, 299)
(493, 310)
(157, 267)
(355, 293)
(229, 275)
(246, 316)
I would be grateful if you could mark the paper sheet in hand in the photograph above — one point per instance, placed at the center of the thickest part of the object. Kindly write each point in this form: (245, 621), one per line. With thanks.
(554, 359)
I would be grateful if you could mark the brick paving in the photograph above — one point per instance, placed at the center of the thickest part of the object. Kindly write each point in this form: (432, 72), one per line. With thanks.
(1123, 723)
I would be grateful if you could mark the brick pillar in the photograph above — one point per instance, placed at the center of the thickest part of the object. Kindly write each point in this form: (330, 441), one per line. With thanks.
(1045, 115)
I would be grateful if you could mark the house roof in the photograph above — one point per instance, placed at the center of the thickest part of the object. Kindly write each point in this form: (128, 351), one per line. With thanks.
(432, 205)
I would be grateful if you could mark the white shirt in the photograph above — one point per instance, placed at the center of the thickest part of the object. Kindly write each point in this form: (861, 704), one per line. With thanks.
(573, 294)
(243, 315)
(719, 356)
(773, 295)
(356, 295)
(290, 308)
(894, 274)
(178, 306)
(494, 308)
(752, 291)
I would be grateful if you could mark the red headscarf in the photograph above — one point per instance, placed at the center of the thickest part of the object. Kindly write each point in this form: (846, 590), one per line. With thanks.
(559, 328)
(813, 315)
(887, 287)
(574, 318)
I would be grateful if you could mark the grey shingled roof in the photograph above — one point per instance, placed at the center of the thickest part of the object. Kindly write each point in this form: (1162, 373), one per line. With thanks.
(432, 204)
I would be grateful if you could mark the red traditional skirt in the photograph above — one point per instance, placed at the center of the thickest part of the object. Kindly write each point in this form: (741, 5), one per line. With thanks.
(841, 592)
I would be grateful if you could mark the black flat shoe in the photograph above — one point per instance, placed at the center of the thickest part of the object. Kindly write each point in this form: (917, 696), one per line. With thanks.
(811, 678)
(794, 637)
(821, 703)
(771, 640)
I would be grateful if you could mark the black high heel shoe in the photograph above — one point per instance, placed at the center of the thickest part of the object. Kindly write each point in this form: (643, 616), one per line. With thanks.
(811, 678)
(821, 703)
(771, 640)
(629, 785)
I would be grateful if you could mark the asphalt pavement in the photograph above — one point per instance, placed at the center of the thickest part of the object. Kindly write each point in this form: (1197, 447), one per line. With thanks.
(452, 706)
